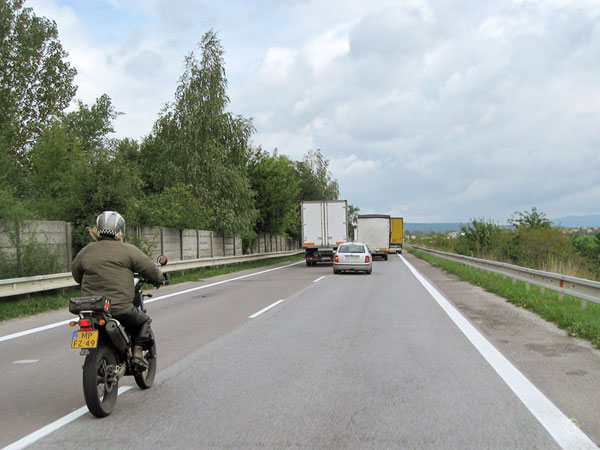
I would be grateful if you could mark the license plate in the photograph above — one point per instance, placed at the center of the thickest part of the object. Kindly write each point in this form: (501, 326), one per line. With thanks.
(84, 339)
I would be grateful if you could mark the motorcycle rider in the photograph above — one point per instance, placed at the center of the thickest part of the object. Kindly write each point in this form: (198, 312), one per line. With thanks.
(106, 267)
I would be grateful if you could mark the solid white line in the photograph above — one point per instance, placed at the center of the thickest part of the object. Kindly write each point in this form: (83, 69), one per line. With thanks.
(64, 322)
(319, 279)
(31, 438)
(563, 430)
(256, 314)
(33, 330)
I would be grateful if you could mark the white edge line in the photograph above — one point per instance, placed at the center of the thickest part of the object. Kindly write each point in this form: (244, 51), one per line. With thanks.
(563, 430)
(319, 279)
(256, 314)
(64, 322)
(42, 432)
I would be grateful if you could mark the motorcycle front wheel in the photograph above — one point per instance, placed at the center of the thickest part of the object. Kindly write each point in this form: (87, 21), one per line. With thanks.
(145, 379)
(100, 382)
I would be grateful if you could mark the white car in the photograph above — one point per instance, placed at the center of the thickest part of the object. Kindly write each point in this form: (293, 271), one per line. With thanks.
(353, 256)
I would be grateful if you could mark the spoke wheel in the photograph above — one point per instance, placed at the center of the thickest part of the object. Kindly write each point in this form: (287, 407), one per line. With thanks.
(100, 383)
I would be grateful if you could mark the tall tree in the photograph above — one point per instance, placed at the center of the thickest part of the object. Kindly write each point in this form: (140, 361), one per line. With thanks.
(92, 124)
(315, 180)
(196, 143)
(36, 81)
(78, 171)
(352, 220)
(273, 178)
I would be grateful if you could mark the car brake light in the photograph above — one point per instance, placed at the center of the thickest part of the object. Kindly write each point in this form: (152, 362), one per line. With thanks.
(336, 258)
(367, 258)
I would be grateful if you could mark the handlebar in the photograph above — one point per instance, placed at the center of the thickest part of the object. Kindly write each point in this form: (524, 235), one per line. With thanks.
(138, 279)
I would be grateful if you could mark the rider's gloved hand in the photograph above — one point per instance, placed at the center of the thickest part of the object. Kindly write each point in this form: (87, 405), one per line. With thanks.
(165, 278)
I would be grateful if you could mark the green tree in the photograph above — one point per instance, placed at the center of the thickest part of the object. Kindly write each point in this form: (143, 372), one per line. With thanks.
(352, 220)
(273, 178)
(90, 125)
(36, 84)
(36, 81)
(177, 207)
(530, 220)
(78, 171)
(54, 158)
(315, 180)
(197, 143)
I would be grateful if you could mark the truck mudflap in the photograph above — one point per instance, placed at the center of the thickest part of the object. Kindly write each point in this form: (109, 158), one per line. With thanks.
(383, 253)
(314, 255)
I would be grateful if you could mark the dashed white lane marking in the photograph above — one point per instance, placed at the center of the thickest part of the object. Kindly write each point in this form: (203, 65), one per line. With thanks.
(26, 361)
(319, 279)
(64, 322)
(31, 438)
(563, 430)
(256, 314)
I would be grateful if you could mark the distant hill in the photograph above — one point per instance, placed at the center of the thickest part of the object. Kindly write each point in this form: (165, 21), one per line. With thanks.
(432, 227)
(592, 221)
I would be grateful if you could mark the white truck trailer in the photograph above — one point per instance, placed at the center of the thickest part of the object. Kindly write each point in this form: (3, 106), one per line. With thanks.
(374, 230)
(324, 227)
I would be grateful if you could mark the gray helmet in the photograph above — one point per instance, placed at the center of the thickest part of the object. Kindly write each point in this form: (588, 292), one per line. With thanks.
(110, 223)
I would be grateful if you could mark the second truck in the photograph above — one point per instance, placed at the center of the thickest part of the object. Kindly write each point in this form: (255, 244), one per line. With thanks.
(374, 230)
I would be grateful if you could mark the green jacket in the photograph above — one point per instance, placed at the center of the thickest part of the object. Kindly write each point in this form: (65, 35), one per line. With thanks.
(106, 267)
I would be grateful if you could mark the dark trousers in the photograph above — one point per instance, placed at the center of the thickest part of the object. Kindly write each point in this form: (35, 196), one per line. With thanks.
(138, 324)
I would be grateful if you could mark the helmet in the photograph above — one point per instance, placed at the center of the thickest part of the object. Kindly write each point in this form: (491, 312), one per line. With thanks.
(110, 223)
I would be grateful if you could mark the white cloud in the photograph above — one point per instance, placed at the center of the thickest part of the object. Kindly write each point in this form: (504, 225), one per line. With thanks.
(322, 50)
(450, 110)
(277, 64)
(352, 166)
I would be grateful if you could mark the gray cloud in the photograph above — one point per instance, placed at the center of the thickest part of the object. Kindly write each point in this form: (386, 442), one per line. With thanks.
(144, 64)
(437, 110)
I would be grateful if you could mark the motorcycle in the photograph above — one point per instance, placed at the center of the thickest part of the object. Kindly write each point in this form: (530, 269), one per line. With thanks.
(108, 346)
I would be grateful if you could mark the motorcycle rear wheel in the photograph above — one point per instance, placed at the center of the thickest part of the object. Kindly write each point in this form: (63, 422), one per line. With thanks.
(100, 383)
(145, 379)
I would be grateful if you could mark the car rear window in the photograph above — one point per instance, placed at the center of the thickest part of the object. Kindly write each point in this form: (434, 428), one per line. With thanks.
(351, 249)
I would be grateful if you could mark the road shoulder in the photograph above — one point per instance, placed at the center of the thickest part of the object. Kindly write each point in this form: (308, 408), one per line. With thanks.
(565, 369)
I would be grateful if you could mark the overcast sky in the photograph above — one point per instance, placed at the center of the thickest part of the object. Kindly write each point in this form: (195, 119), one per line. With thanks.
(437, 111)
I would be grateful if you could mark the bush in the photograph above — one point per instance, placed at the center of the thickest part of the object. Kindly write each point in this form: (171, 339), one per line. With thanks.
(478, 238)
(532, 242)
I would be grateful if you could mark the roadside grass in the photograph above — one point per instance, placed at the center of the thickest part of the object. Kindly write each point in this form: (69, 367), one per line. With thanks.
(13, 307)
(567, 313)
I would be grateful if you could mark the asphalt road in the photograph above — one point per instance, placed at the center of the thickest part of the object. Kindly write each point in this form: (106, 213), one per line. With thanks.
(346, 361)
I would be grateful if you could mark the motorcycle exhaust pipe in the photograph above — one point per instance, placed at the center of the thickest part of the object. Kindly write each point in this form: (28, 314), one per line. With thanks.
(117, 335)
